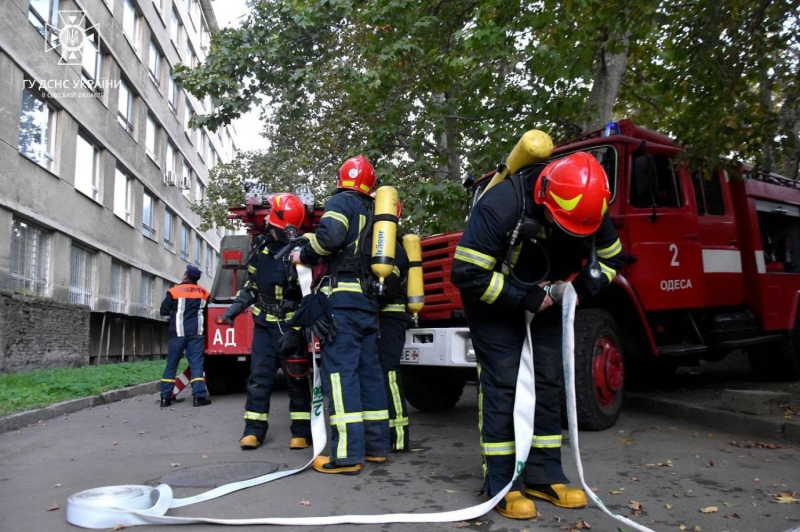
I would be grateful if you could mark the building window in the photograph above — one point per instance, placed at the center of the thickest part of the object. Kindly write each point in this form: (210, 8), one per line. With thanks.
(92, 60)
(146, 295)
(204, 36)
(120, 287)
(187, 128)
(151, 138)
(130, 23)
(37, 129)
(213, 158)
(169, 222)
(149, 216)
(201, 146)
(81, 281)
(195, 11)
(154, 65)
(209, 261)
(175, 28)
(194, 62)
(41, 13)
(122, 195)
(30, 258)
(185, 242)
(159, 5)
(172, 93)
(125, 107)
(87, 165)
(170, 168)
(186, 181)
(198, 251)
(199, 191)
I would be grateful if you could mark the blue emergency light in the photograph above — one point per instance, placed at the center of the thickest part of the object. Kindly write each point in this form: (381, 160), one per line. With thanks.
(612, 128)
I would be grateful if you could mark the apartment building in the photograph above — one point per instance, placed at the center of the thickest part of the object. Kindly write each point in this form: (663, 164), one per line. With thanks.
(98, 165)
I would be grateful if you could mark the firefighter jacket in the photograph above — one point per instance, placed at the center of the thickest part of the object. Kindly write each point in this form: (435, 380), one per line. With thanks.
(343, 240)
(482, 258)
(184, 305)
(268, 286)
(394, 303)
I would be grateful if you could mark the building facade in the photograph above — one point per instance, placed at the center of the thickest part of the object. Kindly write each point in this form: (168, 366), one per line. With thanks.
(98, 165)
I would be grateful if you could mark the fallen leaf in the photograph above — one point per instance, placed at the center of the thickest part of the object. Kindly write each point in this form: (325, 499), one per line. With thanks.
(625, 441)
(730, 504)
(479, 523)
(57, 485)
(451, 491)
(731, 516)
(785, 499)
(461, 524)
(710, 463)
(304, 503)
(565, 528)
(709, 510)
(636, 507)
(205, 457)
(697, 456)
(583, 524)
(635, 479)
(682, 527)
(668, 506)
(115, 443)
(617, 492)
(52, 507)
(756, 480)
(416, 450)
(668, 463)
(559, 518)
(697, 528)
(174, 464)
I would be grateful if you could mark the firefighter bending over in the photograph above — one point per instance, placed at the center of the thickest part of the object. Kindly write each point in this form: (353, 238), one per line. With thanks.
(351, 373)
(184, 305)
(274, 293)
(510, 260)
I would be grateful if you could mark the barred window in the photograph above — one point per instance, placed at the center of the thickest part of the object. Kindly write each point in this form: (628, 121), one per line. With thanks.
(81, 283)
(146, 295)
(30, 258)
(120, 293)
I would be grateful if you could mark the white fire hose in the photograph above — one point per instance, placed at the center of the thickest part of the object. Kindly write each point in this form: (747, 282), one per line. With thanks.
(108, 507)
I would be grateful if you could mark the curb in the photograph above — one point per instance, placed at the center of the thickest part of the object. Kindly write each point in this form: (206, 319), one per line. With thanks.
(32, 417)
(718, 419)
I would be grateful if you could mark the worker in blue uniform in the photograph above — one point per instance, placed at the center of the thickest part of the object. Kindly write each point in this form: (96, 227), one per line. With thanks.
(558, 215)
(274, 293)
(184, 304)
(351, 372)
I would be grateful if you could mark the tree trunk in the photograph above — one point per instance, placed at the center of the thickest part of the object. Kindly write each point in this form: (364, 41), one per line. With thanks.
(447, 145)
(609, 69)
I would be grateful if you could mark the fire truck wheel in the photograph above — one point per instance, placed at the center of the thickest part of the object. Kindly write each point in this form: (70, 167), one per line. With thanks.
(777, 361)
(599, 369)
(433, 389)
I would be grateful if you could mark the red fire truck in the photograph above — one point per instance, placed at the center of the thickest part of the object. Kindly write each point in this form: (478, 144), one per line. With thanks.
(227, 361)
(711, 268)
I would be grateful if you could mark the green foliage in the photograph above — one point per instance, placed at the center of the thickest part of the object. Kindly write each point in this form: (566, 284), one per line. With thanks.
(432, 91)
(24, 391)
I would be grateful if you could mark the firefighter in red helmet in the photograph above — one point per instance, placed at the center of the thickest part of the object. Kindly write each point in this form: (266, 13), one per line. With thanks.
(274, 294)
(560, 213)
(348, 329)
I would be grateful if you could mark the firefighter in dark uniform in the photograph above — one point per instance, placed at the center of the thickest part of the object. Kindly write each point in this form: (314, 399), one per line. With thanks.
(561, 214)
(184, 305)
(351, 372)
(274, 294)
(393, 323)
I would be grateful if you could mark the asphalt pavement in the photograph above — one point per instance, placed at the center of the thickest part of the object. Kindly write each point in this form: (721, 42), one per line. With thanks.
(672, 470)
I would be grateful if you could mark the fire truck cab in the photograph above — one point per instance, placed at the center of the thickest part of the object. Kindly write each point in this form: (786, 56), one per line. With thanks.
(710, 269)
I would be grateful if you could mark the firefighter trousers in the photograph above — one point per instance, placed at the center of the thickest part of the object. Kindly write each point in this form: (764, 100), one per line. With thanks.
(391, 342)
(352, 382)
(265, 360)
(193, 345)
(498, 336)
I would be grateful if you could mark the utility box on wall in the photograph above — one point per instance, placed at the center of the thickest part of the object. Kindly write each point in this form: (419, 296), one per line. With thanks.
(40, 333)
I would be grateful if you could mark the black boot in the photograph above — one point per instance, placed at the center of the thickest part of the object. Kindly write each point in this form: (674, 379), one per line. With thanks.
(165, 402)
(201, 401)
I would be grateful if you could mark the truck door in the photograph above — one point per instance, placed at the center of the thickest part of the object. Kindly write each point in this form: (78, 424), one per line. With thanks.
(722, 258)
(664, 242)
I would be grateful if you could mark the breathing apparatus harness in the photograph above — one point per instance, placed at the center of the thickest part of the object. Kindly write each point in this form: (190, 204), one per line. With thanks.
(358, 263)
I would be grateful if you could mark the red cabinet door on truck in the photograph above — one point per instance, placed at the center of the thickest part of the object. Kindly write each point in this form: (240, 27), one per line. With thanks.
(663, 237)
(722, 258)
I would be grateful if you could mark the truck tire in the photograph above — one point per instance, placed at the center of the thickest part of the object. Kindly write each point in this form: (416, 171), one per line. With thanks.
(433, 389)
(777, 362)
(599, 369)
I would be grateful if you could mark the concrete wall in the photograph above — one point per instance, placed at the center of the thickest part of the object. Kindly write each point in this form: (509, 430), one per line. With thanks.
(39, 333)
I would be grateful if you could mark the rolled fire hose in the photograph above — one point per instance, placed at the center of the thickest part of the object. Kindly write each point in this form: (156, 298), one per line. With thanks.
(108, 507)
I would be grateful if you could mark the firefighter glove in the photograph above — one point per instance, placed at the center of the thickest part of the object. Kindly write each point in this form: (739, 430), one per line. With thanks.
(325, 329)
(534, 298)
(291, 341)
(231, 312)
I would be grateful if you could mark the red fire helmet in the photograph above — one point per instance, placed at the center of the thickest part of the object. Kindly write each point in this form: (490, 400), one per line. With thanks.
(575, 191)
(357, 174)
(286, 209)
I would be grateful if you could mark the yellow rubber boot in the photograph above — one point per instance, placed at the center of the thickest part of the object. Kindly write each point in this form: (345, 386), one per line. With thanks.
(323, 465)
(249, 442)
(299, 443)
(559, 494)
(515, 505)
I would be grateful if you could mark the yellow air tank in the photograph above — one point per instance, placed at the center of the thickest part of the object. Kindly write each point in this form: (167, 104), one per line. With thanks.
(384, 234)
(534, 147)
(416, 287)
